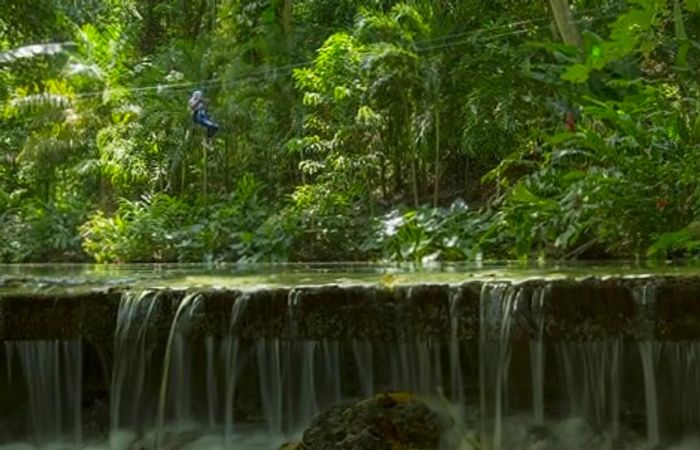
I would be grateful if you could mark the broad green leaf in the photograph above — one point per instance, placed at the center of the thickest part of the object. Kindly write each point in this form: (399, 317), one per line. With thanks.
(681, 35)
(667, 242)
(341, 93)
(522, 194)
(578, 73)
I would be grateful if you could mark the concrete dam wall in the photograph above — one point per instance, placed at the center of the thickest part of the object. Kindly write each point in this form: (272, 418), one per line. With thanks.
(565, 361)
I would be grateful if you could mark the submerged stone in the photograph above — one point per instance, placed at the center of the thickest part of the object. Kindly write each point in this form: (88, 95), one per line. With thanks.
(388, 421)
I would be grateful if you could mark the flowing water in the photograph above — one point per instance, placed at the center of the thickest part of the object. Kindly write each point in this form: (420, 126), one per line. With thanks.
(224, 391)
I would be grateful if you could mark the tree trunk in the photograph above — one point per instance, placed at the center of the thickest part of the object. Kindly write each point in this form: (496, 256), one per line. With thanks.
(287, 18)
(204, 170)
(196, 20)
(285, 13)
(228, 179)
(152, 29)
(385, 195)
(414, 173)
(437, 160)
(398, 175)
(565, 23)
(467, 176)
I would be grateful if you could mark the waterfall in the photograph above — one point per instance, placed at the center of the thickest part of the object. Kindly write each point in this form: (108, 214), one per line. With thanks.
(231, 354)
(537, 357)
(132, 360)
(271, 382)
(684, 362)
(212, 391)
(456, 388)
(649, 352)
(52, 372)
(593, 376)
(175, 366)
(201, 370)
(498, 306)
(413, 366)
(8, 360)
(330, 355)
(363, 353)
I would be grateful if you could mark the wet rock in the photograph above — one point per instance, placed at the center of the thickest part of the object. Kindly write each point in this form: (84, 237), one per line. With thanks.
(592, 308)
(65, 315)
(390, 421)
(290, 446)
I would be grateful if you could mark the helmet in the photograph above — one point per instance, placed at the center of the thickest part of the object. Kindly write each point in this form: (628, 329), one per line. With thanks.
(197, 94)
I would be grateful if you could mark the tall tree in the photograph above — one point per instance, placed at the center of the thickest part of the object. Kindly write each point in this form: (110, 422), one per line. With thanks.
(565, 23)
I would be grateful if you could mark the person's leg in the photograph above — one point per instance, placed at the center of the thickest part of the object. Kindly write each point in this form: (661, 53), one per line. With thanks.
(206, 122)
(212, 129)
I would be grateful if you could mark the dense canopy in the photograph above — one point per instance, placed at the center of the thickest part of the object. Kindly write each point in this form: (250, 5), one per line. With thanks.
(410, 130)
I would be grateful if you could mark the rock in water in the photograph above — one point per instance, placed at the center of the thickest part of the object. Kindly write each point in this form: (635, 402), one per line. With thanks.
(389, 421)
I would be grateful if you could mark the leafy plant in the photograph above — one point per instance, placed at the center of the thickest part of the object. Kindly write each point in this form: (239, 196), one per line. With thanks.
(429, 234)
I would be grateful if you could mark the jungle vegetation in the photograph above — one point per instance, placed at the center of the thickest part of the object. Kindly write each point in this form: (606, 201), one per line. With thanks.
(414, 130)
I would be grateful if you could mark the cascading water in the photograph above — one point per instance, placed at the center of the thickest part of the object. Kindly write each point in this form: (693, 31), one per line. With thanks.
(133, 368)
(537, 357)
(230, 351)
(683, 359)
(174, 385)
(592, 373)
(50, 373)
(649, 352)
(456, 378)
(499, 303)
(364, 361)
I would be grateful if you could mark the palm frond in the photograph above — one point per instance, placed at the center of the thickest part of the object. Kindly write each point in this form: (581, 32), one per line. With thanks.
(35, 50)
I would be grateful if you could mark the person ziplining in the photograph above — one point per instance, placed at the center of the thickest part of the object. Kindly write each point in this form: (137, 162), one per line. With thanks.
(201, 117)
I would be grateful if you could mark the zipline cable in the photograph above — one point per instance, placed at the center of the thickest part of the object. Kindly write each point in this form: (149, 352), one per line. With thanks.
(440, 43)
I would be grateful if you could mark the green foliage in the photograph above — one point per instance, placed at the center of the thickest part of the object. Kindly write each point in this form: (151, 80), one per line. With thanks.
(334, 112)
(163, 228)
(429, 234)
(35, 231)
(684, 243)
(625, 177)
(325, 225)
